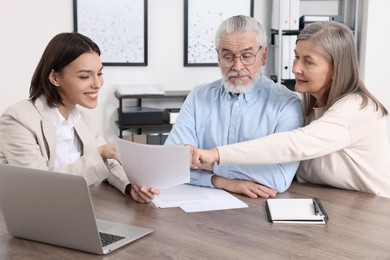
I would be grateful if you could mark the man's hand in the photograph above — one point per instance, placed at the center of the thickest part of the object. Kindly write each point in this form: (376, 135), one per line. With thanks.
(142, 194)
(248, 188)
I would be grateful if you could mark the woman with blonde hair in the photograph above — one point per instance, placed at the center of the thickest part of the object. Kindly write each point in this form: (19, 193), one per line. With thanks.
(344, 142)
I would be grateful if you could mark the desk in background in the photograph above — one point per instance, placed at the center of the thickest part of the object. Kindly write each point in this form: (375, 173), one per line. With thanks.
(358, 228)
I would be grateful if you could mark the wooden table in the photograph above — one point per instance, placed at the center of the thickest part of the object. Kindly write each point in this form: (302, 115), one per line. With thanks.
(358, 228)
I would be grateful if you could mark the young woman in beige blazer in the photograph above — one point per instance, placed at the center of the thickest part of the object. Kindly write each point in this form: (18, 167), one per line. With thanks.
(49, 132)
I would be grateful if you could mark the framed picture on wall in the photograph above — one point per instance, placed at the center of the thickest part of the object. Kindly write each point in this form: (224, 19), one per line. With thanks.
(201, 20)
(119, 27)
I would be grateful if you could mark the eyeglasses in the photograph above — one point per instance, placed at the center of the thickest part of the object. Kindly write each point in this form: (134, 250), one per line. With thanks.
(227, 60)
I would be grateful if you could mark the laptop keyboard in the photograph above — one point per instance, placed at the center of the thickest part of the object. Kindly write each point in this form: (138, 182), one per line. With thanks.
(109, 238)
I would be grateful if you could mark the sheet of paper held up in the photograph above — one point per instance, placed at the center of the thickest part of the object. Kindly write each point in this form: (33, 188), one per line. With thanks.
(195, 199)
(156, 166)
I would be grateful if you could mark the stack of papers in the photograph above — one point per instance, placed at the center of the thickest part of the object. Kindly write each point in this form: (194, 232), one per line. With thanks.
(167, 168)
(195, 199)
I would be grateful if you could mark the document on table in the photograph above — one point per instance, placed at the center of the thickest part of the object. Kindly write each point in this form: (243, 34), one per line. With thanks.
(156, 166)
(192, 198)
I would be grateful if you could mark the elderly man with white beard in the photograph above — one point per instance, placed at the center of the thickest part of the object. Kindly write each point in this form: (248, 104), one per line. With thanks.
(243, 105)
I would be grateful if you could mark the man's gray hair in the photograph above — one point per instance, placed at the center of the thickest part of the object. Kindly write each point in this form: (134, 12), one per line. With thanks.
(241, 23)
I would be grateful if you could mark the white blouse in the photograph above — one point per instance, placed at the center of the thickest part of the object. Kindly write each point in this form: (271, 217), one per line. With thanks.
(68, 147)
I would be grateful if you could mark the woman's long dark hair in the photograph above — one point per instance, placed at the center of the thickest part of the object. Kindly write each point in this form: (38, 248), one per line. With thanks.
(60, 51)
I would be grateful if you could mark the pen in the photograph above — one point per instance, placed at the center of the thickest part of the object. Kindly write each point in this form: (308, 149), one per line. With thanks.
(316, 207)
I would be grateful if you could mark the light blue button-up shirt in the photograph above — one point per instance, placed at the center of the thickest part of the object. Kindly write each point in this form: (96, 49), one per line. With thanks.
(211, 117)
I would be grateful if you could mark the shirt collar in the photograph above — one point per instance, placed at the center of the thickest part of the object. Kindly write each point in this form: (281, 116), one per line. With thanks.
(59, 120)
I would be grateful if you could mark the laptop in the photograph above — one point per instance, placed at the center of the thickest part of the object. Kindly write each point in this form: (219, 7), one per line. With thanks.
(56, 208)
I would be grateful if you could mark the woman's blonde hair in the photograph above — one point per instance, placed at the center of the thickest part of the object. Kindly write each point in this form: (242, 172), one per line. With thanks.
(335, 41)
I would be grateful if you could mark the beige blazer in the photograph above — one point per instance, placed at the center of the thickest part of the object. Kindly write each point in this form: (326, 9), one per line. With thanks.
(28, 138)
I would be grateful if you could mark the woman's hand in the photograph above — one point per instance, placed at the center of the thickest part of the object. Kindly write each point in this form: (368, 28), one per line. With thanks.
(108, 151)
(142, 194)
(203, 159)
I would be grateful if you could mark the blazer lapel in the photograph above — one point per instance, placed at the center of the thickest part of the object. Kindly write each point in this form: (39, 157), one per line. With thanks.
(86, 137)
(48, 128)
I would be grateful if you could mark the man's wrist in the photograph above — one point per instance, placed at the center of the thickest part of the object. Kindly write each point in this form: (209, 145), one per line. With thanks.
(216, 181)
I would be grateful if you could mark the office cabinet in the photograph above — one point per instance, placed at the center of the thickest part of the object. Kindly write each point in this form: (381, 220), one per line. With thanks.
(285, 62)
(138, 117)
(285, 15)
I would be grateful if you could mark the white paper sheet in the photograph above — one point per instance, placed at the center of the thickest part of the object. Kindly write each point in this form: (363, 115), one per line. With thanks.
(195, 199)
(156, 166)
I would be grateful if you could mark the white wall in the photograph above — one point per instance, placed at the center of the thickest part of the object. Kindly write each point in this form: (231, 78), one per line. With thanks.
(375, 60)
(27, 26)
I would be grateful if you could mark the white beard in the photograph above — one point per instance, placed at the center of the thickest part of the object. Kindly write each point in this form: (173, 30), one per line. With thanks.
(238, 88)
